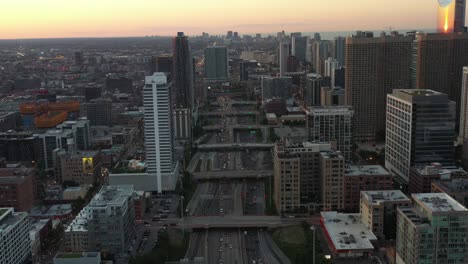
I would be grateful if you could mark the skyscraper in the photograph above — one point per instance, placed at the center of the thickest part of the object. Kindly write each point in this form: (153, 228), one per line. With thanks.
(330, 66)
(183, 72)
(374, 67)
(463, 131)
(440, 62)
(299, 46)
(451, 16)
(339, 50)
(320, 52)
(420, 130)
(284, 53)
(216, 63)
(314, 83)
(158, 132)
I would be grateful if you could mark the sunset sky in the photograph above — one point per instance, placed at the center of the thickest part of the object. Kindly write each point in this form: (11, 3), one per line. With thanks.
(107, 18)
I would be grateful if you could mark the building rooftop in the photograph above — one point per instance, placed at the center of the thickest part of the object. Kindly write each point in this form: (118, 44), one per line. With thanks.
(453, 186)
(445, 173)
(78, 255)
(438, 202)
(420, 92)
(107, 196)
(347, 232)
(366, 170)
(329, 110)
(378, 197)
(332, 155)
(8, 218)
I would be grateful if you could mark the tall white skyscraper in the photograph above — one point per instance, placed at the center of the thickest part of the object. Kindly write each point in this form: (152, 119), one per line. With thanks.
(158, 132)
(331, 65)
(283, 57)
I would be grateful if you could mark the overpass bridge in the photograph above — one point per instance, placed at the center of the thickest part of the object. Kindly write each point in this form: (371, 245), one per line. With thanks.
(239, 222)
(234, 146)
(237, 103)
(238, 127)
(229, 113)
(240, 174)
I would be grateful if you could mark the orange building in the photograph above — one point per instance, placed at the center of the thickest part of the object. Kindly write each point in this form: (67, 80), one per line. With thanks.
(47, 115)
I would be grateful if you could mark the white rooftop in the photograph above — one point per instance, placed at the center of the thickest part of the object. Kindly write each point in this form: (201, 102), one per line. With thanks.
(366, 170)
(438, 202)
(377, 197)
(347, 232)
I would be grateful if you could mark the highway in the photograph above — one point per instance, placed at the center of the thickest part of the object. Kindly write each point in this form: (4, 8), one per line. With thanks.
(228, 207)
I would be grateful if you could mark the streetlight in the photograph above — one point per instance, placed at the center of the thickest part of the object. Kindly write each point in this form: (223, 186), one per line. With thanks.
(182, 214)
(313, 254)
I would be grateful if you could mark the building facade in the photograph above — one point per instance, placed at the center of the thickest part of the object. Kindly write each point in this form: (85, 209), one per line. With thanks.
(158, 132)
(420, 130)
(15, 245)
(284, 53)
(331, 124)
(374, 67)
(311, 94)
(364, 178)
(17, 188)
(183, 72)
(98, 112)
(378, 211)
(332, 170)
(276, 87)
(216, 63)
(107, 223)
(432, 231)
(286, 180)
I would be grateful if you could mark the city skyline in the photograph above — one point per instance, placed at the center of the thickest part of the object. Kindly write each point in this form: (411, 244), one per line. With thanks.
(56, 19)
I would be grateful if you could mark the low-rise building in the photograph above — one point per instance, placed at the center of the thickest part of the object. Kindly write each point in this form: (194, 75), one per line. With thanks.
(17, 188)
(15, 245)
(346, 235)
(83, 168)
(378, 211)
(456, 188)
(106, 223)
(364, 178)
(78, 258)
(421, 177)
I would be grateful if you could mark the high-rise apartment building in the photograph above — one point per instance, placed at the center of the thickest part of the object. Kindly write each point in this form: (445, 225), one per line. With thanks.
(451, 16)
(439, 64)
(19, 146)
(463, 130)
(420, 130)
(332, 170)
(286, 180)
(216, 63)
(330, 66)
(81, 132)
(107, 223)
(310, 181)
(284, 53)
(374, 67)
(51, 140)
(321, 50)
(313, 85)
(158, 132)
(276, 87)
(15, 245)
(299, 46)
(183, 72)
(98, 112)
(331, 124)
(432, 231)
(339, 50)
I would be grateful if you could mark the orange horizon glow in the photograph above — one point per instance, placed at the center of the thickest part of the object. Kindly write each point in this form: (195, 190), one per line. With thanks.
(109, 18)
(446, 20)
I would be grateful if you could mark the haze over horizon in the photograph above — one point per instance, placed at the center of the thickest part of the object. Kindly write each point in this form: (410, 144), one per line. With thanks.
(105, 18)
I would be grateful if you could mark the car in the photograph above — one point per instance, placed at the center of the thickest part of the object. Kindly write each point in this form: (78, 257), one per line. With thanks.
(230, 246)
(173, 224)
(147, 225)
(221, 249)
